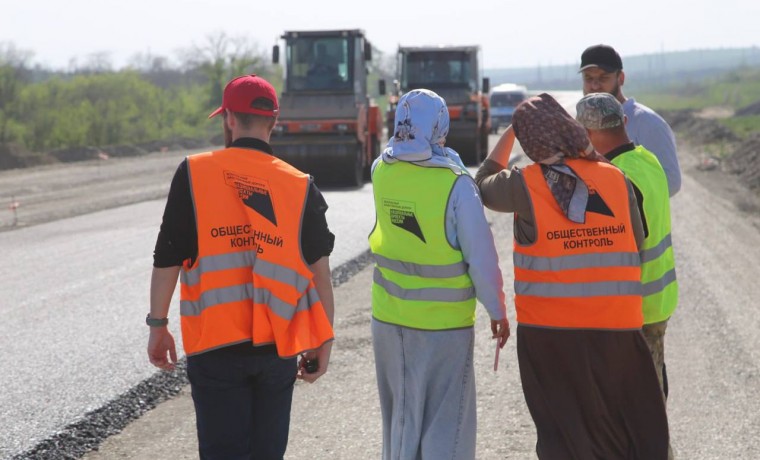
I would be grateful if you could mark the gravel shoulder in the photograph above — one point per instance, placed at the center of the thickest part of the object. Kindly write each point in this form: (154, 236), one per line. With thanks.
(52, 192)
(726, 185)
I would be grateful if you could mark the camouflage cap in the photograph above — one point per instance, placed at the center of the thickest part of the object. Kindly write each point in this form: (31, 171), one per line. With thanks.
(599, 111)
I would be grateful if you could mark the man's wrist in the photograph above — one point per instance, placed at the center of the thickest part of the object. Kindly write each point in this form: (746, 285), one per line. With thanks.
(156, 322)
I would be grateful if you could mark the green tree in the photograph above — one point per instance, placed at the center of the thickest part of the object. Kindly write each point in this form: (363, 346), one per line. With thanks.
(13, 70)
(10, 85)
(106, 109)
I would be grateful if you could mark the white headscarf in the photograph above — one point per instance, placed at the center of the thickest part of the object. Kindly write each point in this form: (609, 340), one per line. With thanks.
(421, 126)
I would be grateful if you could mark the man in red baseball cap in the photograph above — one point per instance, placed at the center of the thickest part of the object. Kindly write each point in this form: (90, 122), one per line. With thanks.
(246, 234)
(248, 95)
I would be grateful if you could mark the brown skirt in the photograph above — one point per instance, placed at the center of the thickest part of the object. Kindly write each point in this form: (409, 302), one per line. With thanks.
(592, 394)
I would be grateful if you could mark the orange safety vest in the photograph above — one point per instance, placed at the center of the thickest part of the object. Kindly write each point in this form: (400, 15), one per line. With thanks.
(579, 276)
(249, 282)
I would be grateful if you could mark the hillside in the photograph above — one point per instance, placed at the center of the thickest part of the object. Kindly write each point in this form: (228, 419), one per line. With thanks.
(711, 97)
(721, 115)
(643, 71)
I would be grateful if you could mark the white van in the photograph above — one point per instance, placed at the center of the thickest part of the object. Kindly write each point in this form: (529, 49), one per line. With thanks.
(504, 99)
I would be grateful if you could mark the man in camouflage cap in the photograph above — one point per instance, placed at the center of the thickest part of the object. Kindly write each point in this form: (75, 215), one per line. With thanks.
(602, 116)
(599, 111)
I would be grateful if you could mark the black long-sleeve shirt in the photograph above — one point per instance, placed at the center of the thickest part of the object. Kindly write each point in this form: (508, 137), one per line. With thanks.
(178, 237)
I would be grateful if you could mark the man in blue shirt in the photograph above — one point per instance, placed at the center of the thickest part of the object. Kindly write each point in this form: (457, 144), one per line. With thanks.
(602, 70)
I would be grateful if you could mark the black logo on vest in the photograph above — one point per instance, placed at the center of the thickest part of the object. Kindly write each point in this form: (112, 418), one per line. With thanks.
(597, 205)
(402, 215)
(254, 193)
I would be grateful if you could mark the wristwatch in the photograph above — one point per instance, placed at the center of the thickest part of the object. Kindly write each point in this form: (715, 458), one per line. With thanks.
(156, 322)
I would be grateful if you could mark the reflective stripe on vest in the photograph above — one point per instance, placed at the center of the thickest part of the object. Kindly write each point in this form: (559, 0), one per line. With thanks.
(610, 259)
(655, 252)
(588, 289)
(658, 285)
(244, 259)
(425, 271)
(658, 275)
(593, 283)
(252, 286)
(425, 294)
(420, 280)
(214, 297)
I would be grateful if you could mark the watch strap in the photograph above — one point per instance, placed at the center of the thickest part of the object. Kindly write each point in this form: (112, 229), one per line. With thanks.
(156, 322)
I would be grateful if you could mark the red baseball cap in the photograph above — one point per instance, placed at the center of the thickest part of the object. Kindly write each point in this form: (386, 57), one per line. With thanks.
(249, 94)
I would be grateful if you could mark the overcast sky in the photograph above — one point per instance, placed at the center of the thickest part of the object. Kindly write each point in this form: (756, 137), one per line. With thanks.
(512, 34)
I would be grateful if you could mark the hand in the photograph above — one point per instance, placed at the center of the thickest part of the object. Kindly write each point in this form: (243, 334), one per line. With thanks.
(322, 354)
(500, 330)
(161, 343)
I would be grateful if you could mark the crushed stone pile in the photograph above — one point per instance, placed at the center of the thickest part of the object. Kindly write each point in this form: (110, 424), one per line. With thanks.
(752, 109)
(698, 130)
(14, 156)
(745, 162)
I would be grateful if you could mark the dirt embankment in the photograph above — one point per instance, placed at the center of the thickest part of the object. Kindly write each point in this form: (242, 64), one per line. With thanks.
(745, 162)
(723, 150)
(14, 156)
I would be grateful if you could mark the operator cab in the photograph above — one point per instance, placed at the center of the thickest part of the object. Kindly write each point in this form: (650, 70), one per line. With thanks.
(322, 61)
(438, 70)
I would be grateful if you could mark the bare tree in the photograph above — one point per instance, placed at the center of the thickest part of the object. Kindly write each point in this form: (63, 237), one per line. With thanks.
(220, 57)
(384, 64)
(245, 57)
(98, 62)
(73, 64)
(13, 56)
(149, 63)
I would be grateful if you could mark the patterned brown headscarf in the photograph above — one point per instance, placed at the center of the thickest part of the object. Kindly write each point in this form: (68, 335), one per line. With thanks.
(548, 134)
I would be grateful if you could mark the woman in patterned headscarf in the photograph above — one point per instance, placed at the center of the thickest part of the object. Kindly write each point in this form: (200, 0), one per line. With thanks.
(587, 375)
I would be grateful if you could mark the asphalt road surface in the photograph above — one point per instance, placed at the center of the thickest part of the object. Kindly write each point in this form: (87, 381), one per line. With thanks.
(74, 293)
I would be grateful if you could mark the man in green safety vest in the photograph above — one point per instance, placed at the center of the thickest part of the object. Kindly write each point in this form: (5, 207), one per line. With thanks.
(434, 255)
(603, 117)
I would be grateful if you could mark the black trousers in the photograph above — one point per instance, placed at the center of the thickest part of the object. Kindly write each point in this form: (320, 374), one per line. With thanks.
(242, 402)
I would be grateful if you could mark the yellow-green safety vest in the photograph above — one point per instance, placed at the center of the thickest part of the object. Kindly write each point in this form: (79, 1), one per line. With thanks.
(658, 270)
(420, 280)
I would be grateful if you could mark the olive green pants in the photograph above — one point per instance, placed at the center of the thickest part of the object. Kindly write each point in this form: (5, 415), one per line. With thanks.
(655, 336)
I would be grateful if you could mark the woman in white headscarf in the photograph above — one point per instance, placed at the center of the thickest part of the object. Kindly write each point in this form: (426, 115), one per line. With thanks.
(434, 255)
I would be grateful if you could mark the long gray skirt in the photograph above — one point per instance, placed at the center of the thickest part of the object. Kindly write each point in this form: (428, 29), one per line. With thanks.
(426, 384)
